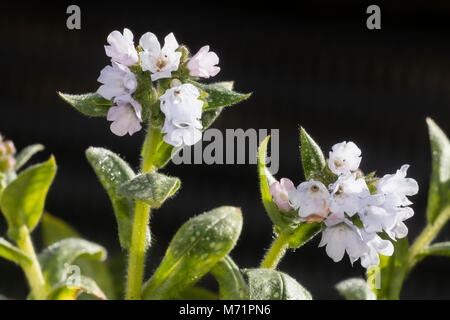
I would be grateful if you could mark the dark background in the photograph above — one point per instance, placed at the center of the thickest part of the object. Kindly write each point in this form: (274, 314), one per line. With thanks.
(314, 65)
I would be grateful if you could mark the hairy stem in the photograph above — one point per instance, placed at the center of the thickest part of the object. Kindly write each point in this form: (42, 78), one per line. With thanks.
(277, 251)
(141, 219)
(425, 238)
(32, 270)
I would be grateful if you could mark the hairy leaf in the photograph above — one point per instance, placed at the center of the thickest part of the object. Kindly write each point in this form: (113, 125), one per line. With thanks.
(10, 252)
(231, 282)
(152, 188)
(22, 201)
(313, 159)
(197, 246)
(24, 155)
(90, 104)
(439, 193)
(268, 284)
(355, 289)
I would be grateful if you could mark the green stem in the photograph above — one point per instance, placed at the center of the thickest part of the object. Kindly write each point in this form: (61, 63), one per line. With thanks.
(141, 219)
(425, 238)
(277, 251)
(32, 270)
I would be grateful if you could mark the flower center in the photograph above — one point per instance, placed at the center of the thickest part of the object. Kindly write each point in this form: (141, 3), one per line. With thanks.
(162, 62)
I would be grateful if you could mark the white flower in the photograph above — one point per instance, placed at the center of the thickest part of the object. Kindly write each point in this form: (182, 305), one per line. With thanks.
(350, 195)
(344, 158)
(203, 63)
(117, 81)
(395, 187)
(376, 246)
(121, 48)
(280, 193)
(392, 211)
(126, 116)
(343, 237)
(183, 110)
(312, 200)
(160, 62)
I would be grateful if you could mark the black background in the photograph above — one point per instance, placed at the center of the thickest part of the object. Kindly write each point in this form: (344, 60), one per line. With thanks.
(315, 65)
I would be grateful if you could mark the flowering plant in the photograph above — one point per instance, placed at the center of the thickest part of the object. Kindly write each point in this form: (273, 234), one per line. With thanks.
(157, 87)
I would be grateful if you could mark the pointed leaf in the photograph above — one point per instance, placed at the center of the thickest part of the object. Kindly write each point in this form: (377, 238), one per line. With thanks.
(54, 230)
(71, 292)
(112, 172)
(268, 284)
(220, 94)
(152, 188)
(10, 252)
(61, 255)
(231, 282)
(197, 246)
(355, 289)
(437, 249)
(303, 233)
(313, 159)
(279, 218)
(22, 201)
(439, 193)
(24, 155)
(90, 104)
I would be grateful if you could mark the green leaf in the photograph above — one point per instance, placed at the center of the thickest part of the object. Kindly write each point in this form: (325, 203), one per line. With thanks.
(439, 193)
(164, 154)
(61, 255)
(112, 172)
(10, 252)
(391, 272)
(220, 94)
(22, 201)
(268, 284)
(437, 249)
(55, 229)
(70, 292)
(209, 116)
(279, 218)
(152, 188)
(197, 246)
(303, 233)
(231, 282)
(24, 155)
(355, 289)
(196, 293)
(90, 104)
(313, 159)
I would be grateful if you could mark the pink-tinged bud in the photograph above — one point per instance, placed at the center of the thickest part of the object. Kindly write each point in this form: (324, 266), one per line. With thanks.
(10, 148)
(203, 63)
(280, 193)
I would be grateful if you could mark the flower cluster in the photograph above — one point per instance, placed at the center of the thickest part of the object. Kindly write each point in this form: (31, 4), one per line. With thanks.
(180, 102)
(354, 208)
(7, 152)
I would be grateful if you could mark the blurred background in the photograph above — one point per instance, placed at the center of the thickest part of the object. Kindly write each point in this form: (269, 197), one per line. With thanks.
(314, 65)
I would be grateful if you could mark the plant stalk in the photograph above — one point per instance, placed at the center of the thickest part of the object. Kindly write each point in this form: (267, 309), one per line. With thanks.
(32, 270)
(425, 238)
(141, 219)
(276, 251)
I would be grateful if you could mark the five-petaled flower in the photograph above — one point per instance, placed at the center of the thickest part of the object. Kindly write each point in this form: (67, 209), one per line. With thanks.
(121, 48)
(117, 80)
(160, 62)
(280, 193)
(126, 116)
(203, 63)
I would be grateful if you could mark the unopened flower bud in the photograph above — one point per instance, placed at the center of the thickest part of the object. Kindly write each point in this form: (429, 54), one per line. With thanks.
(10, 148)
